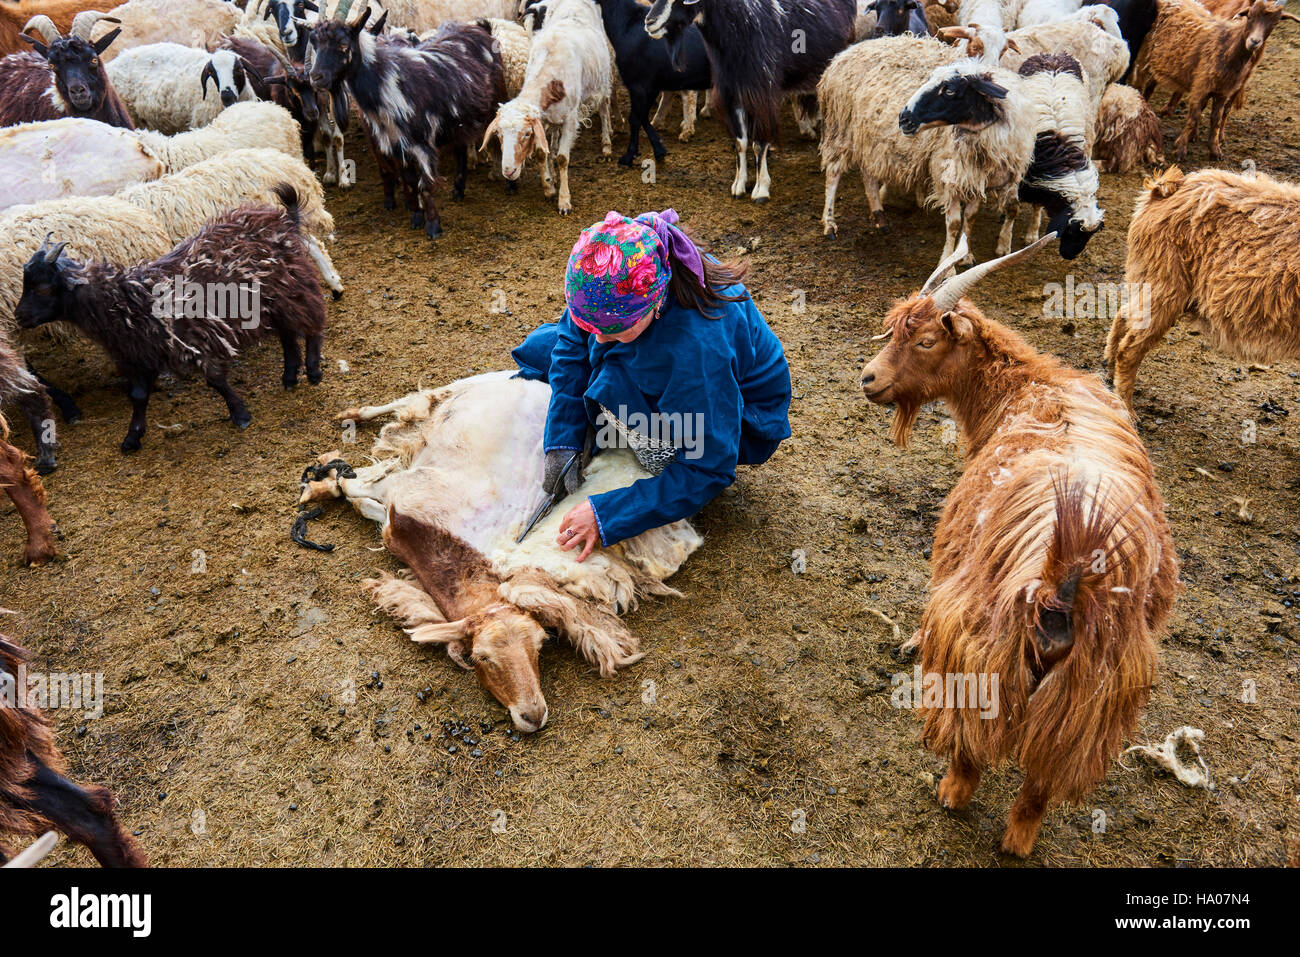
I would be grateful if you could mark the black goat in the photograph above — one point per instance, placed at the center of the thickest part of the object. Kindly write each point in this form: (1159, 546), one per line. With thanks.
(896, 17)
(285, 83)
(70, 66)
(243, 276)
(1136, 17)
(758, 51)
(413, 100)
(650, 67)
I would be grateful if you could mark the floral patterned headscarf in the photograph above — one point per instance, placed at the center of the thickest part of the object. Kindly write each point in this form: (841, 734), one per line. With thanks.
(619, 269)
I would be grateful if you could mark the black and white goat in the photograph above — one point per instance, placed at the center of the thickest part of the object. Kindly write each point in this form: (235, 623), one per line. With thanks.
(63, 77)
(245, 275)
(649, 67)
(759, 51)
(287, 85)
(413, 101)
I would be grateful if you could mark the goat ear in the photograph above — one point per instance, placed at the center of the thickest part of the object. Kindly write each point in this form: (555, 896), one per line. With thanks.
(955, 33)
(441, 633)
(102, 43)
(539, 135)
(208, 74)
(37, 45)
(956, 325)
(553, 94)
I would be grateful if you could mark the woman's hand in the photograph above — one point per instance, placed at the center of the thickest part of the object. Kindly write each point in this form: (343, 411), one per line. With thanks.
(579, 527)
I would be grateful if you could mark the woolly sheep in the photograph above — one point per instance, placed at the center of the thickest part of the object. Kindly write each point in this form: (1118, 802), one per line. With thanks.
(189, 22)
(165, 88)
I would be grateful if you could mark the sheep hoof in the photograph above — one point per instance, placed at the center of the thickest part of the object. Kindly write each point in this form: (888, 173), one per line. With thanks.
(878, 219)
(830, 232)
(337, 294)
(759, 200)
(512, 187)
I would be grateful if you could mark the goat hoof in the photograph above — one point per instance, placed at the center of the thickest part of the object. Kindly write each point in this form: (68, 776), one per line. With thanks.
(315, 377)
(390, 204)
(626, 159)
(242, 422)
(289, 383)
(130, 444)
(45, 464)
(512, 187)
(831, 233)
(659, 157)
(433, 230)
(417, 220)
(458, 194)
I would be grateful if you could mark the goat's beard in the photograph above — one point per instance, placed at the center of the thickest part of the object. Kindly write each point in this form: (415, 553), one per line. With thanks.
(905, 413)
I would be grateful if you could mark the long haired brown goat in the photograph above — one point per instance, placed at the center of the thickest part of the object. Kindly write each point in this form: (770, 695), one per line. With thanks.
(35, 795)
(1221, 247)
(1053, 566)
(24, 488)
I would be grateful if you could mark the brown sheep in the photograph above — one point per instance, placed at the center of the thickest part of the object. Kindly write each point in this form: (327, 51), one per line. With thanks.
(1221, 246)
(28, 494)
(1194, 53)
(1053, 568)
(1128, 132)
(34, 794)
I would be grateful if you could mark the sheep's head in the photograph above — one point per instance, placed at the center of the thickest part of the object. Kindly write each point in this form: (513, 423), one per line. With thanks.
(233, 77)
(896, 17)
(964, 95)
(1259, 20)
(519, 127)
(332, 47)
(78, 72)
(932, 336)
(49, 281)
(501, 644)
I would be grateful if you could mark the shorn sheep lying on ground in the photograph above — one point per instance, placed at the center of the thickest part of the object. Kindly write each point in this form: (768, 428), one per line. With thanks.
(34, 793)
(102, 228)
(454, 481)
(163, 316)
(24, 488)
(1053, 569)
(1128, 132)
(1221, 248)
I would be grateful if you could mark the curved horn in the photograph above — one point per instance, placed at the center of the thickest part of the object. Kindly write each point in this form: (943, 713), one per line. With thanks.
(946, 296)
(85, 21)
(209, 73)
(492, 128)
(44, 26)
(54, 254)
(958, 254)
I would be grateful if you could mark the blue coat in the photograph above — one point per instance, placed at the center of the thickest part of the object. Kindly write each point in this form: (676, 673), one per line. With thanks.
(724, 381)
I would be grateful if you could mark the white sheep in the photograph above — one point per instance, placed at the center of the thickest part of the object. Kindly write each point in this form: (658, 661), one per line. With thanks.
(420, 16)
(568, 78)
(165, 86)
(252, 125)
(184, 201)
(1091, 36)
(515, 44)
(190, 22)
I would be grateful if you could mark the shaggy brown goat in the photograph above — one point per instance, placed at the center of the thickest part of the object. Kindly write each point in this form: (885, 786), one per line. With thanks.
(24, 487)
(1221, 247)
(1053, 567)
(34, 794)
(243, 276)
(1206, 58)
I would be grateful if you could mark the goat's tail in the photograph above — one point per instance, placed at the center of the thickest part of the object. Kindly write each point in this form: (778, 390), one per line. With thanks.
(292, 203)
(1085, 643)
(1165, 184)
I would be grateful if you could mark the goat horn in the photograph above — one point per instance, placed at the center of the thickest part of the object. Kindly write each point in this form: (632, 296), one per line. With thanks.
(53, 254)
(958, 254)
(44, 26)
(947, 295)
(85, 21)
(45, 243)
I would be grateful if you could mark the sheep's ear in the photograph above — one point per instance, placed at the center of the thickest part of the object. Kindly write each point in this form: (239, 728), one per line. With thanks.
(308, 5)
(256, 82)
(102, 43)
(209, 73)
(1011, 45)
(37, 45)
(539, 135)
(956, 325)
(986, 87)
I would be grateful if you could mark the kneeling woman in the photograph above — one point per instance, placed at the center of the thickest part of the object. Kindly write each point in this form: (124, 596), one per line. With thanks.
(664, 350)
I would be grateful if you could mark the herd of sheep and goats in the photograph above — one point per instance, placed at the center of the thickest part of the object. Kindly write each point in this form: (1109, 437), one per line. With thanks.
(174, 144)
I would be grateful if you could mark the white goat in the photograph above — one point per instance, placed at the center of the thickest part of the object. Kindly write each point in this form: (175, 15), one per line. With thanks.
(568, 78)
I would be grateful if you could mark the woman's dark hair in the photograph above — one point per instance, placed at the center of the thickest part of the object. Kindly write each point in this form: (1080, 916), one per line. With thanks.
(717, 276)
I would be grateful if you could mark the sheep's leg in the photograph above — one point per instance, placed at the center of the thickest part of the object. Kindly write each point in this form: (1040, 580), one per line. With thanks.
(85, 815)
(763, 181)
(1035, 225)
(462, 170)
(1026, 817)
(568, 133)
(1118, 329)
(28, 496)
(67, 406)
(39, 412)
(1010, 210)
(325, 265)
(834, 172)
(690, 101)
(952, 227)
(742, 153)
(967, 223)
(314, 346)
(871, 186)
(959, 784)
(606, 129)
(292, 359)
(548, 172)
(138, 389)
(239, 413)
(1148, 90)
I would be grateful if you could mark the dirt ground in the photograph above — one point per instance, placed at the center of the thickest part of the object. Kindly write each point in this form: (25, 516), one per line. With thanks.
(260, 712)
